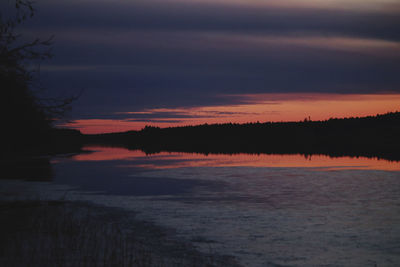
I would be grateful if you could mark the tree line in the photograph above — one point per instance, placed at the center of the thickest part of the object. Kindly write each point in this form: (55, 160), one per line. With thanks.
(372, 136)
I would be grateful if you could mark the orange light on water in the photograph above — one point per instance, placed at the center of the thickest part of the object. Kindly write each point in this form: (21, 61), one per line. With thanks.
(166, 160)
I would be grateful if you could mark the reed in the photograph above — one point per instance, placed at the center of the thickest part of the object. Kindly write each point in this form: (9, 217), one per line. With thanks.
(59, 233)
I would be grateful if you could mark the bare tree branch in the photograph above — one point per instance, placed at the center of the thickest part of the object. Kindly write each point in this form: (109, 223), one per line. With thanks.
(16, 61)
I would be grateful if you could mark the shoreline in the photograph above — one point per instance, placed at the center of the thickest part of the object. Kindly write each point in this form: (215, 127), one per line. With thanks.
(79, 233)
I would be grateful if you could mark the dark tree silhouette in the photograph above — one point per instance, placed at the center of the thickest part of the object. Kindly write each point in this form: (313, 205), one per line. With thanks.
(371, 136)
(25, 117)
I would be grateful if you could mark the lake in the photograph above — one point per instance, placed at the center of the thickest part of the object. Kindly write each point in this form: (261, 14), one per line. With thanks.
(266, 210)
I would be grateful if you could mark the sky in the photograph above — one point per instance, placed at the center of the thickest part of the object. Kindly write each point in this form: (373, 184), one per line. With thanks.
(179, 62)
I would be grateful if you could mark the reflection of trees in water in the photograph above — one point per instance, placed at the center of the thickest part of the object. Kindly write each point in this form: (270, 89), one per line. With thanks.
(308, 156)
(373, 136)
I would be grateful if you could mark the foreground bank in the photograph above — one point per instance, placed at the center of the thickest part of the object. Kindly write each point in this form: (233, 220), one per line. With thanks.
(65, 233)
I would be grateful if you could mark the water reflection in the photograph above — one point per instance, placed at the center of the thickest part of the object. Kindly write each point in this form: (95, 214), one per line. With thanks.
(266, 210)
(167, 160)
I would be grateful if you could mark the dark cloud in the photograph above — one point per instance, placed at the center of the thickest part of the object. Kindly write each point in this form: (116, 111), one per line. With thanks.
(133, 55)
(196, 16)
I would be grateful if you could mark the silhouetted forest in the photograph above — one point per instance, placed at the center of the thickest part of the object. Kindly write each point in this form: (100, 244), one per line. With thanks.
(26, 116)
(373, 136)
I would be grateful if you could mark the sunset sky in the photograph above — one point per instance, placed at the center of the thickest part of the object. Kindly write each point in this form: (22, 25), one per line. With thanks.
(179, 62)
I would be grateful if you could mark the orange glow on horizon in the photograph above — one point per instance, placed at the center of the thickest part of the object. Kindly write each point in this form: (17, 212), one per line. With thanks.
(165, 160)
(251, 108)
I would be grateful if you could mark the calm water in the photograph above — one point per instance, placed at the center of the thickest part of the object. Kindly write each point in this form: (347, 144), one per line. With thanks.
(266, 210)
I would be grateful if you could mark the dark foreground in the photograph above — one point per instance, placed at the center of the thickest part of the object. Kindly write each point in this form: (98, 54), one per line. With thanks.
(59, 233)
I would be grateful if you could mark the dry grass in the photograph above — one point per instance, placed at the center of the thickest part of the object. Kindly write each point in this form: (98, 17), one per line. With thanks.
(57, 233)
